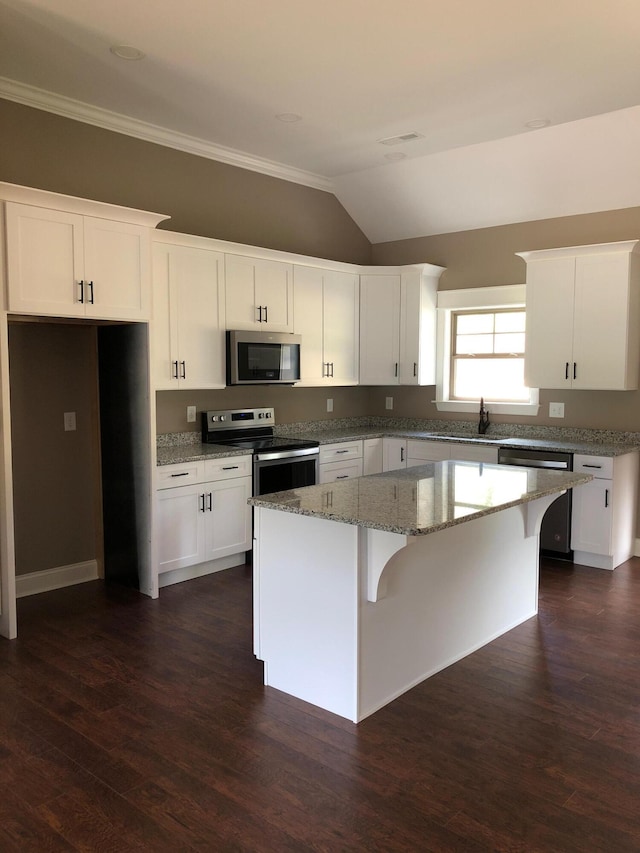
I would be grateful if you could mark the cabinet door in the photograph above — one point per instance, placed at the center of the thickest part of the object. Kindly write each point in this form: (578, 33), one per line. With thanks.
(164, 329)
(341, 321)
(549, 332)
(259, 294)
(474, 453)
(180, 527)
(228, 518)
(308, 322)
(197, 274)
(45, 253)
(394, 454)
(372, 456)
(379, 329)
(591, 517)
(117, 262)
(601, 323)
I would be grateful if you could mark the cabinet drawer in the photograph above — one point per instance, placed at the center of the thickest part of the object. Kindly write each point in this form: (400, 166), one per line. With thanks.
(333, 471)
(227, 467)
(340, 451)
(171, 476)
(429, 451)
(600, 466)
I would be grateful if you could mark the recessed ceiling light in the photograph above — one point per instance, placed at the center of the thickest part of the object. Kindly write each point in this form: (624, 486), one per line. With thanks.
(395, 155)
(289, 117)
(537, 123)
(126, 51)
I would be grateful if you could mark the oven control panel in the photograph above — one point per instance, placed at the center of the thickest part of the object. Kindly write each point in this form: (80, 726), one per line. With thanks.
(237, 419)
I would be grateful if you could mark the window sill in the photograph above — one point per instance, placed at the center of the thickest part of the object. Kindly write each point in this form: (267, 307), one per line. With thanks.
(525, 409)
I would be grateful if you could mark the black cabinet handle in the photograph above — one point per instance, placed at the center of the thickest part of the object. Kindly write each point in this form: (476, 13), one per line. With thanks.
(332, 370)
(183, 374)
(342, 477)
(396, 370)
(210, 502)
(566, 370)
(574, 370)
(259, 313)
(175, 369)
(266, 313)
(81, 286)
(606, 497)
(415, 368)
(182, 474)
(586, 465)
(90, 300)
(230, 467)
(202, 502)
(341, 451)
(402, 454)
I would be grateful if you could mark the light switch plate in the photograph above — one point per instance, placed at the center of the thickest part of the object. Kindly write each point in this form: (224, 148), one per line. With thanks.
(191, 414)
(329, 404)
(556, 410)
(388, 404)
(69, 421)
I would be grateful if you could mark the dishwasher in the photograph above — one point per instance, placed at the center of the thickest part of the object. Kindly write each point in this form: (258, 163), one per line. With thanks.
(555, 533)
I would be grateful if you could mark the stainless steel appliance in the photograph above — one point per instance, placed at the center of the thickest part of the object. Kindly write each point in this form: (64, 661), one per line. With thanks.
(259, 358)
(278, 463)
(555, 533)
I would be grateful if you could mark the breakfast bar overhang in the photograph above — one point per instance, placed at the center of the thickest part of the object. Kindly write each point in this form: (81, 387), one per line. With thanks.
(363, 588)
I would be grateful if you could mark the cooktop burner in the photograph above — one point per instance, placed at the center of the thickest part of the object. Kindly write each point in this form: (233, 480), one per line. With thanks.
(250, 429)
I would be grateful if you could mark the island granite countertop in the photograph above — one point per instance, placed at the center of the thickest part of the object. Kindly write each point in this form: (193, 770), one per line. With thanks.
(425, 499)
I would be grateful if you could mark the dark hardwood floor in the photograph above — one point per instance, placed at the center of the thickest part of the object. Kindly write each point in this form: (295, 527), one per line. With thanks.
(131, 724)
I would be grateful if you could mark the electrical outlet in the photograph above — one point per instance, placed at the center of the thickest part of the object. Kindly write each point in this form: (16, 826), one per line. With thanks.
(329, 404)
(388, 403)
(69, 421)
(191, 414)
(556, 410)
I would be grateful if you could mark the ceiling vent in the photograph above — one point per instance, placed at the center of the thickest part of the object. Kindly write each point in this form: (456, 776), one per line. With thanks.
(402, 137)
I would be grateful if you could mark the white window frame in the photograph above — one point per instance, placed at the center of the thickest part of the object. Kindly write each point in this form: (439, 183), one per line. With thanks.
(475, 298)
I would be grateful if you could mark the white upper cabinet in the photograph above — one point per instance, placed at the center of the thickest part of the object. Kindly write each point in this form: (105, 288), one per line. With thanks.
(65, 262)
(188, 331)
(259, 294)
(583, 317)
(326, 315)
(398, 326)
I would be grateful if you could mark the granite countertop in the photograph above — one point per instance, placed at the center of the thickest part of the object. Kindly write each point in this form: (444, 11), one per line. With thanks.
(565, 445)
(425, 499)
(181, 453)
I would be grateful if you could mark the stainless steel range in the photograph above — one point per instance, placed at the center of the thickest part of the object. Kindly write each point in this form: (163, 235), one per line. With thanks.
(278, 463)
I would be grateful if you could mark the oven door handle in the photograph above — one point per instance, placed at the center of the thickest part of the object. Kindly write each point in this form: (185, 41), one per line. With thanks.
(271, 455)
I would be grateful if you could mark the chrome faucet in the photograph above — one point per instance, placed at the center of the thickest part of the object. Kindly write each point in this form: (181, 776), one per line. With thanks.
(483, 423)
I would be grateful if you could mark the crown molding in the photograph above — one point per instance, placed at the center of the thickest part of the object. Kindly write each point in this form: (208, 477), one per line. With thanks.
(50, 102)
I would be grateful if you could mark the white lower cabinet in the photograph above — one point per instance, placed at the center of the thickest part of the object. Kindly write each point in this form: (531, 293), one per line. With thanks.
(206, 519)
(372, 456)
(603, 518)
(394, 453)
(340, 461)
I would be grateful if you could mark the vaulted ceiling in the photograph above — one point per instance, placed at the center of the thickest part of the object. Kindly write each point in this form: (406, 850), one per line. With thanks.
(226, 78)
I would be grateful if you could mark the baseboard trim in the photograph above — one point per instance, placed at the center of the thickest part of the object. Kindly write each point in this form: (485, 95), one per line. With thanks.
(56, 578)
(201, 569)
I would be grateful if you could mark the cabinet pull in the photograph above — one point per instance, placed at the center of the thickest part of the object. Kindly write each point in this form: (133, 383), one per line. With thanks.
(341, 451)
(402, 454)
(342, 477)
(175, 369)
(259, 313)
(606, 497)
(81, 286)
(396, 370)
(574, 370)
(230, 467)
(415, 368)
(90, 300)
(266, 313)
(210, 502)
(586, 465)
(332, 370)
(566, 370)
(183, 374)
(325, 368)
(182, 474)
(202, 502)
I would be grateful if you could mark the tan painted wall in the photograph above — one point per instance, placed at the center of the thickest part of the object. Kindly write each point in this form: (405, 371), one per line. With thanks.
(56, 480)
(487, 257)
(39, 149)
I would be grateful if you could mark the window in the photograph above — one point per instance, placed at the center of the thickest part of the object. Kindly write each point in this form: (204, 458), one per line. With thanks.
(481, 344)
(487, 355)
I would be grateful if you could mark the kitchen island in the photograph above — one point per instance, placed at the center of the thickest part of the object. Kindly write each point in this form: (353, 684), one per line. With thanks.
(363, 588)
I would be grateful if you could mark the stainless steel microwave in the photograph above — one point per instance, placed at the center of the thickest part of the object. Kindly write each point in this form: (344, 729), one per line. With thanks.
(262, 358)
